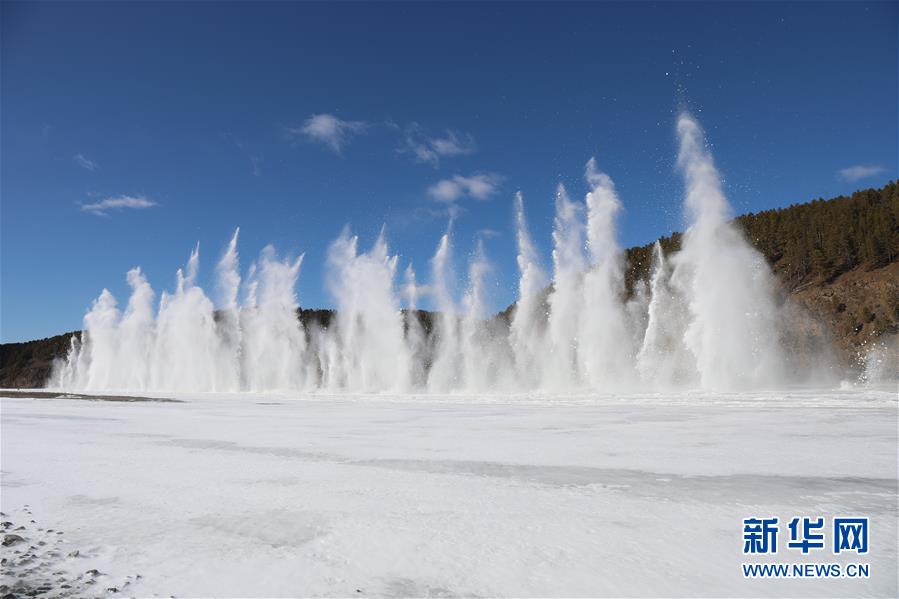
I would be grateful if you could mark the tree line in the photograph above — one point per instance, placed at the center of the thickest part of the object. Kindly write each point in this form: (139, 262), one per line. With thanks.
(812, 242)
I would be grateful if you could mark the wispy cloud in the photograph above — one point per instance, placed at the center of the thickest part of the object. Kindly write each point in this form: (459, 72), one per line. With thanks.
(859, 171)
(328, 130)
(480, 186)
(429, 150)
(488, 233)
(256, 161)
(85, 162)
(122, 202)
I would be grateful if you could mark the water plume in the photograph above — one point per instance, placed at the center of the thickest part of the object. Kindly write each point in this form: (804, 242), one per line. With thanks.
(185, 344)
(485, 355)
(732, 330)
(228, 270)
(707, 317)
(446, 366)
(373, 354)
(416, 338)
(663, 361)
(528, 326)
(273, 349)
(605, 352)
(136, 332)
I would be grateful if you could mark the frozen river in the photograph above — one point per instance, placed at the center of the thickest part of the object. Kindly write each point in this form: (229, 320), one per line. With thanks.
(525, 496)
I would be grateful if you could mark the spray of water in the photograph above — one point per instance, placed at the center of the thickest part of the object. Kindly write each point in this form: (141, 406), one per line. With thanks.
(707, 317)
(663, 360)
(372, 351)
(416, 338)
(606, 353)
(527, 333)
(446, 362)
(565, 300)
(732, 329)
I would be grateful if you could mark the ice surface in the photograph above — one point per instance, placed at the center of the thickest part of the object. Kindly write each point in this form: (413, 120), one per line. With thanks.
(249, 495)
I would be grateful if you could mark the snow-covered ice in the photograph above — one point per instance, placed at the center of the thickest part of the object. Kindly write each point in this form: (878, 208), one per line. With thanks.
(264, 495)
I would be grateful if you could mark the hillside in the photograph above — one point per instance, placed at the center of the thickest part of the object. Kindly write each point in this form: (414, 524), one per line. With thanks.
(836, 261)
(28, 364)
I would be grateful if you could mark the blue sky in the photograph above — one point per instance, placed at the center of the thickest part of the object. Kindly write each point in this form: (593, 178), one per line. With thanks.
(130, 131)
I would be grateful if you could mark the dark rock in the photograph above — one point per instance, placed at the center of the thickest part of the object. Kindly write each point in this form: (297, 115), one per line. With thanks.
(12, 540)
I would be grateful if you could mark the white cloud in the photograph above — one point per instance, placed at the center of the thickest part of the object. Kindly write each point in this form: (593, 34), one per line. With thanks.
(488, 233)
(256, 161)
(860, 171)
(329, 130)
(121, 202)
(430, 150)
(479, 186)
(85, 162)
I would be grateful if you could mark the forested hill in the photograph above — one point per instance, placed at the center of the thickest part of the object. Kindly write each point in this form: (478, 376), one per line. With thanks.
(837, 260)
(813, 242)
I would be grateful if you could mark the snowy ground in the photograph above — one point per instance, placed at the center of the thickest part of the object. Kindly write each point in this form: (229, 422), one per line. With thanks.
(524, 496)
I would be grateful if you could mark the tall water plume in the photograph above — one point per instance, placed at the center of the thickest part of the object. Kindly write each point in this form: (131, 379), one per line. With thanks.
(732, 331)
(374, 355)
(136, 333)
(566, 299)
(486, 357)
(446, 364)
(663, 360)
(186, 344)
(605, 351)
(416, 338)
(528, 327)
(228, 270)
(273, 349)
